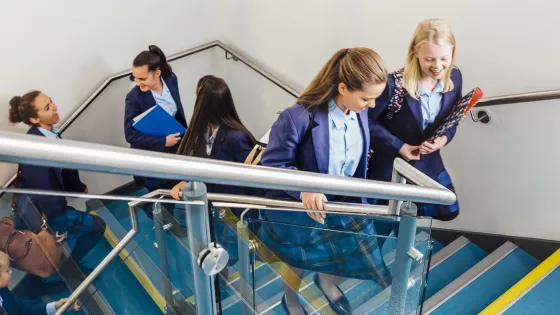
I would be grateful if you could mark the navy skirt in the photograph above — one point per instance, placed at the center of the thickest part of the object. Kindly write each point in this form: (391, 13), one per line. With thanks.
(346, 246)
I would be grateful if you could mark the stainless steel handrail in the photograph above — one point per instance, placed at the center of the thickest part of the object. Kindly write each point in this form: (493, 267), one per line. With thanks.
(174, 57)
(124, 74)
(519, 98)
(28, 149)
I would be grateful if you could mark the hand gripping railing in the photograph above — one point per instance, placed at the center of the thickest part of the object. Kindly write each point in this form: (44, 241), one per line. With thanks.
(27, 149)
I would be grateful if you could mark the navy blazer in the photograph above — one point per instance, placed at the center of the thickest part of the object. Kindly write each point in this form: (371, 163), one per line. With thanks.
(45, 178)
(389, 135)
(16, 306)
(284, 150)
(138, 102)
(232, 146)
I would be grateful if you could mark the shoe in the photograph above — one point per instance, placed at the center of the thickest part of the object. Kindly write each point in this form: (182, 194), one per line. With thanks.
(285, 306)
(340, 306)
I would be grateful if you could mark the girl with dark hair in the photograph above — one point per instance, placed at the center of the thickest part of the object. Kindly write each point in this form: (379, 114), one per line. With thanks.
(155, 84)
(41, 113)
(216, 131)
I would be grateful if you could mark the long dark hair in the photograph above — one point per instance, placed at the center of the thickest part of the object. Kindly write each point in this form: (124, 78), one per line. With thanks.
(214, 105)
(155, 59)
(22, 108)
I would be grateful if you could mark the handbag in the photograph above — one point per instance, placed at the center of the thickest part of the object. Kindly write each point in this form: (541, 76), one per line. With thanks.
(35, 253)
(38, 254)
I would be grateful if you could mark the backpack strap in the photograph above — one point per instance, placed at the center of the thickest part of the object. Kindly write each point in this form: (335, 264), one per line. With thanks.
(397, 98)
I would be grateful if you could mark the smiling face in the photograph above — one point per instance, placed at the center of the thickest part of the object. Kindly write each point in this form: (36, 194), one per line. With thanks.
(359, 100)
(145, 79)
(435, 60)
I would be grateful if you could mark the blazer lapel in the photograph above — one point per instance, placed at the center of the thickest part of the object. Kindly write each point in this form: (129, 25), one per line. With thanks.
(321, 140)
(416, 109)
(363, 120)
(57, 171)
(218, 143)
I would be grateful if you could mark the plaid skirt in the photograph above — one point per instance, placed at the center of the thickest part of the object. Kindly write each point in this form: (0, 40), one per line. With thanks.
(346, 247)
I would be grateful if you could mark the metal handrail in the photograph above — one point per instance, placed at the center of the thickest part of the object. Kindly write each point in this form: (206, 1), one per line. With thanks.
(125, 74)
(519, 98)
(29, 149)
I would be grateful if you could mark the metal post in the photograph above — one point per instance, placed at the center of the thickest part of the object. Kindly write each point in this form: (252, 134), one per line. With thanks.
(244, 267)
(199, 239)
(162, 253)
(403, 262)
(395, 205)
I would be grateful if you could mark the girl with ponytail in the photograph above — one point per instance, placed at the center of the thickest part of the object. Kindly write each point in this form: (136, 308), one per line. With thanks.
(327, 132)
(155, 84)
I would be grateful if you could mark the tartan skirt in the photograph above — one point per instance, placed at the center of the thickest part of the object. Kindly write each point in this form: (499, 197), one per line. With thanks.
(346, 246)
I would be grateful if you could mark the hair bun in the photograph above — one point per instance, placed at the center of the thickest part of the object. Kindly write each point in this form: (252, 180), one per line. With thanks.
(15, 117)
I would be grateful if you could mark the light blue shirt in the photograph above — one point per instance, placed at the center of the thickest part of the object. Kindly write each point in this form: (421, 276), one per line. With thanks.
(346, 142)
(431, 103)
(50, 134)
(165, 100)
(51, 307)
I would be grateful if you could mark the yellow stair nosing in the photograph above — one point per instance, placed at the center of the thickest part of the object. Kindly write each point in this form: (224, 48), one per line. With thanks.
(524, 285)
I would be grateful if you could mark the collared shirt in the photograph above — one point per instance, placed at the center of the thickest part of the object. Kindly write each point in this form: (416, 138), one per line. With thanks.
(51, 307)
(346, 142)
(51, 134)
(210, 140)
(431, 103)
(165, 100)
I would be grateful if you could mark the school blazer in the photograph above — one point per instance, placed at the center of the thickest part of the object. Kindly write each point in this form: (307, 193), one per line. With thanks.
(138, 102)
(389, 135)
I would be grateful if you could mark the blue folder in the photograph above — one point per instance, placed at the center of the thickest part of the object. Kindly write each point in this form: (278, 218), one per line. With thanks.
(157, 122)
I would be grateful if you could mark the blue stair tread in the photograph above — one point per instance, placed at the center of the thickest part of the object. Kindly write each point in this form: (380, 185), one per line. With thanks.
(490, 285)
(437, 246)
(146, 238)
(118, 285)
(542, 299)
(452, 267)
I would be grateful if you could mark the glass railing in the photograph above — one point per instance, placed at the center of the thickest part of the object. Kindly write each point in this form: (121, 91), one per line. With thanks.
(134, 282)
(363, 260)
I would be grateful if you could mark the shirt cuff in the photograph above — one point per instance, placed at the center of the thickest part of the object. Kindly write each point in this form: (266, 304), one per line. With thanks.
(51, 308)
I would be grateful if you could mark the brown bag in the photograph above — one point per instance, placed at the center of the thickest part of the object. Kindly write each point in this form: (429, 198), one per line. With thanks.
(255, 155)
(37, 254)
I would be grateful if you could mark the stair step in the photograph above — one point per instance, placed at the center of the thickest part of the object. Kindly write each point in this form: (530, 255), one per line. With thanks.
(536, 293)
(357, 291)
(480, 285)
(451, 262)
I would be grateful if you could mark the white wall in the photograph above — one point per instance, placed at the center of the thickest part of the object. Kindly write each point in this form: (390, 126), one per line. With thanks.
(67, 48)
(506, 172)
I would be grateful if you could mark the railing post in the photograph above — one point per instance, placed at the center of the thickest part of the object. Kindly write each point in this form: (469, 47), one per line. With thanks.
(199, 239)
(403, 262)
(244, 267)
(162, 253)
(395, 205)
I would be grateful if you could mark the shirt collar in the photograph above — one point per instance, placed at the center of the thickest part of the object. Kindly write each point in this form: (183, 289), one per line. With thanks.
(213, 136)
(437, 89)
(164, 90)
(337, 115)
(49, 134)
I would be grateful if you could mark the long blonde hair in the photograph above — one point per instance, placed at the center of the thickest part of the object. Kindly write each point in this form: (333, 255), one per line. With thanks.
(431, 31)
(355, 67)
